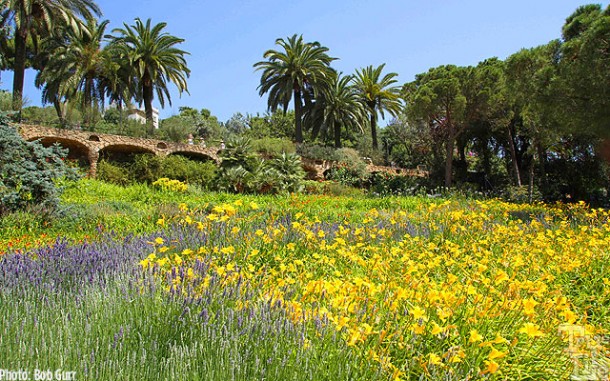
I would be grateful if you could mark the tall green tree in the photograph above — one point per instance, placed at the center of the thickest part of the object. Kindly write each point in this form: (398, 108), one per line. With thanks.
(76, 69)
(339, 108)
(378, 94)
(33, 19)
(298, 72)
(531, 83)
(436, 97)
(155, 61)
(584, 75)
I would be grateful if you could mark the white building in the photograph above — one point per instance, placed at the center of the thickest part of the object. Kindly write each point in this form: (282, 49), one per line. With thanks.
(140, 116)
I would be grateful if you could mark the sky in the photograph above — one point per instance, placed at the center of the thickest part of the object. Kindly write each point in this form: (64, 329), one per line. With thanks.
(225, 38)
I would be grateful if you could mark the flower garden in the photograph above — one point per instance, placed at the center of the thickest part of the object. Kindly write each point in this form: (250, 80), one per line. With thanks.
(317, 288)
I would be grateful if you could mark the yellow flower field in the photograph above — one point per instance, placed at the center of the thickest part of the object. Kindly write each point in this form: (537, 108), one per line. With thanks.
(451, 290)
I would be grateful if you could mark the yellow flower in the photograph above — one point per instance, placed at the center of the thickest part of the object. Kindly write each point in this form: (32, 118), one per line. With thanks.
(531, 330)
(418, 313)
(492, 367)
(434, 359)
(496, 354)
(253, 205)
(159, 241)
(436, 329)
(475, 336)
(228, 250)
(529, 305)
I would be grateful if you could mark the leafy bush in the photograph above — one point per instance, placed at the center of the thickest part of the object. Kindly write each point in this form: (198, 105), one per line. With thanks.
(189, 171)
(28, 171)
(317, 152)
(344, 175)
(112, 173)
(273, 147)
(147, 168)
(243, 172)
(387, 184)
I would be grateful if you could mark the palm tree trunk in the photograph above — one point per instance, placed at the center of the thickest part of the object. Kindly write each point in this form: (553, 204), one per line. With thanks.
(374, 130)
(60, 112)
(337, 135)
(87, 109)
(147, 92)
(297, 115)
(19, 70)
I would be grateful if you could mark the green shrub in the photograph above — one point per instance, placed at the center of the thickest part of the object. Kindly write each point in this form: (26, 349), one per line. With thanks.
(384, 184)
(113, 173)
(146, 168)
(243, 172)
(28, 171)
(189, 171)
(273, 147)
(316, 152)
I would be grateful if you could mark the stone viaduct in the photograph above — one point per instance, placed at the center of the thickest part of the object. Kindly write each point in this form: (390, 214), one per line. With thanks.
(92, 145)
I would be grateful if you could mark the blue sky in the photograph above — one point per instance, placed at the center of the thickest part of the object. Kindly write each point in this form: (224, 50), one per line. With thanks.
(225, 38)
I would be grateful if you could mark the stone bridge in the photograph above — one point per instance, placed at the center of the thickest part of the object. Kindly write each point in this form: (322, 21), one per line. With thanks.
(92, 144)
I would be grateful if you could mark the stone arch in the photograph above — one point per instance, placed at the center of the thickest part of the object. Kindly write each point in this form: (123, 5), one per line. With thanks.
(76, 149)
(198, 156)
(123, 152)
(162, 145)
(93, 138)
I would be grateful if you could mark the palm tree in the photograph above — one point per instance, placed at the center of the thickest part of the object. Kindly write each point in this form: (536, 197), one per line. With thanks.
(298, 72)
(33, 19)
(338, 108)
(76, 68)
(154, 61)
(377, 94)
(118, 83)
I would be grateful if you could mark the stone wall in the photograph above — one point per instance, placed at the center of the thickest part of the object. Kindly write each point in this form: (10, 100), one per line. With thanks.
(93, 143)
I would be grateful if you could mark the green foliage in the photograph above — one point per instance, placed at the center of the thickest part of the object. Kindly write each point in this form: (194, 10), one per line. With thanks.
(381, 183)
(176, 129)
(28, 172)
(189, 171)
(5, 101)
(316, 152)
(273, 147)
(277, 124)
(243, 172)
(112, 173)
(147, 168)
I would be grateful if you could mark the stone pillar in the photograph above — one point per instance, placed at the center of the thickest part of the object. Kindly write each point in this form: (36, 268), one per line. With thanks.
(93, 156)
